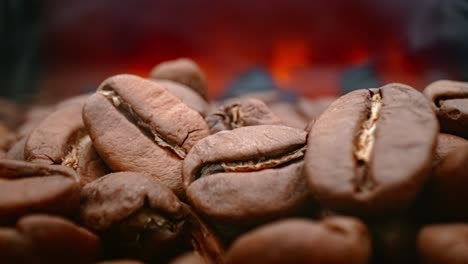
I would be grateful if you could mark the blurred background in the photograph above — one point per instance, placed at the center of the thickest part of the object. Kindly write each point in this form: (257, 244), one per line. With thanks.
(51, 49)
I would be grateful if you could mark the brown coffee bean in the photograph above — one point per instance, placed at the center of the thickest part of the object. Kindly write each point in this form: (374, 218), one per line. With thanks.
(188, 258)
(137, 125)
(447, 187)
(188, 96)
(247, 175)
(447, 244)
(34, 188)
(371, 150)
(61, 139)
(33, 118)
(184, 71)
(332, 241)
(450, 102)
(136, 215)
(7, 137)
(445, 144)
(121, 261)
(16, 151)
(289, 115)
(312, 108)
(47, 239)
(240, 112)
(10, 113)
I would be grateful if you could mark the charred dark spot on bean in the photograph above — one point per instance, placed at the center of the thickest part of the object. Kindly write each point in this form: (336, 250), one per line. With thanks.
(266, 162)
(363, 180)
(127, 110)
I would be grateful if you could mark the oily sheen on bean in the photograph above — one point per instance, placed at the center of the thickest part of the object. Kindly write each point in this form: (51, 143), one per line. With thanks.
(369, 145)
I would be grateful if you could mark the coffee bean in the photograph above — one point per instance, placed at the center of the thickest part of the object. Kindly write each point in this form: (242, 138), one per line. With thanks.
(248, 174)
(333, 240)
(188, 96)
(447, 187)
(62, 139)
(16, 151)
(47, 239)
(289, 115)
(7, 137)
(137, 125)
(371, 150)
(312, 108)
(450, 102)
(184, 71)
(188, 258)
(239, 112)
(446, 244)
(136, 214)
(31, 188)
(445, 144)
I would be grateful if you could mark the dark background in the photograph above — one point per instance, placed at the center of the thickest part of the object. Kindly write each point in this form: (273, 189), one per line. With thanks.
(52, 49)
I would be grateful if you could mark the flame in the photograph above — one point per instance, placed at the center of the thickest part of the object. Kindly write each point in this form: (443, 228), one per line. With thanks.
(289, 55)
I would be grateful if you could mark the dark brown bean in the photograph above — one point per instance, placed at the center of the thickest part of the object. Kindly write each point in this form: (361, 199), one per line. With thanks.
(136, 214)
(184, 71)
(35, 188)
(247, 175)
(137, 125)
(371, 150)
(188, 96)
(450, 102)
(62, 139)
(332, 241)
(447, 188)
(240, 112)
(289, 115)
(447, 244)
(47, 239)
(445, 144)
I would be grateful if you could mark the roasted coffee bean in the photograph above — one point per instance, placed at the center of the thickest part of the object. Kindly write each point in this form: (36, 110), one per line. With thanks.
(332, 241)
(240, 112)
(47, 239)
(16, 151)
(445, 144)
(7, 137)
(135, 213)
(370, 152)
(10, 113)
(289, 115)
(188, 96)
(312, 108)
(35, 188)
(450, 102)
(247, 175)
(139, 216)
(61, 139)
(447, 188)
(33, 118)
(183, 71)
(137, 125)
(447, 244)
(188, 258)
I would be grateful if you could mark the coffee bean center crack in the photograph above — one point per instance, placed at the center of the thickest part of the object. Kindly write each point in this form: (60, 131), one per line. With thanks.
(78, 142)
(128, 111)
(365, 144)
(233, 117)
(252, 165)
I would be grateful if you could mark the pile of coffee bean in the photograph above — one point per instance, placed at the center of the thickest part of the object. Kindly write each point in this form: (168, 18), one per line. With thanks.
(147, 170)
